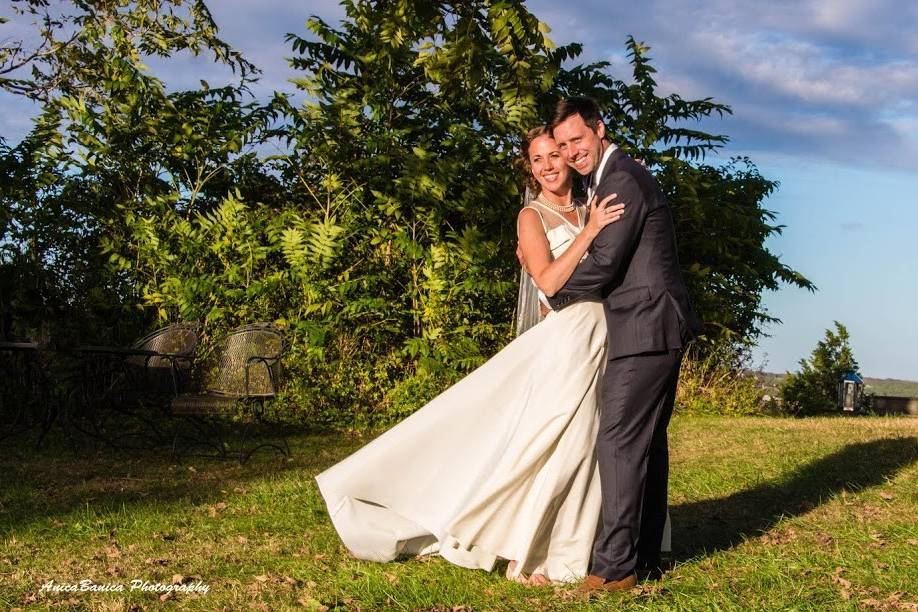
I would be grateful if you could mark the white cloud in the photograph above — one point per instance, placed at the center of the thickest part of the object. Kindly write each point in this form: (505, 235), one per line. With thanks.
(807, 72)
(840, 15)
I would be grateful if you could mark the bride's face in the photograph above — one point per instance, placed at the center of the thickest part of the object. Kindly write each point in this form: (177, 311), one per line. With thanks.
(548, 166)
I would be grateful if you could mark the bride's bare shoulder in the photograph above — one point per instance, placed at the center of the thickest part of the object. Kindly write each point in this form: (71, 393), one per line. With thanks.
(530, 216)
(529, 212)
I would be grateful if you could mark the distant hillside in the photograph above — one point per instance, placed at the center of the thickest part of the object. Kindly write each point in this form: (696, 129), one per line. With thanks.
(891, 386)
(877, 386)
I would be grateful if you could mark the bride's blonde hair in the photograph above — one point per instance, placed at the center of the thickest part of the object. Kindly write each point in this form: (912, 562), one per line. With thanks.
(523, 161)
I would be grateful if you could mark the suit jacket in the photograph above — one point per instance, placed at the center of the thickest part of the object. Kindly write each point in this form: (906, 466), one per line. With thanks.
(633, 267)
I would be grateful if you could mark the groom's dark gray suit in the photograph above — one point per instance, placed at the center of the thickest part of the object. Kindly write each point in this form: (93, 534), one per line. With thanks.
(633, 267)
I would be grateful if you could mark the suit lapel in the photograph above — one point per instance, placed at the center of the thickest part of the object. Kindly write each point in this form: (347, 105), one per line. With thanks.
(607, 169)
(612, 165)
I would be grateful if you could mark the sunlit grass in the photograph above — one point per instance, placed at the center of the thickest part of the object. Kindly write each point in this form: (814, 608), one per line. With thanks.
(768, 514)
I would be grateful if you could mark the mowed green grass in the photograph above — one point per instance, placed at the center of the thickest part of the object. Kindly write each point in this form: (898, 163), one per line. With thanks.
(768, 513)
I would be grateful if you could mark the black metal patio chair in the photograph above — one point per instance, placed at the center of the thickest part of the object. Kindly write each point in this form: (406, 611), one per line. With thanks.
(165, 357)
(114, 382)
(242, 372)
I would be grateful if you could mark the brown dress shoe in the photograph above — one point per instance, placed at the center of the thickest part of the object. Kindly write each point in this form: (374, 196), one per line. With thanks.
(596, 585)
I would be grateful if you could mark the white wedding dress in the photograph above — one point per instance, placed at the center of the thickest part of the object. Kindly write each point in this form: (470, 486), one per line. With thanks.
(500, 465)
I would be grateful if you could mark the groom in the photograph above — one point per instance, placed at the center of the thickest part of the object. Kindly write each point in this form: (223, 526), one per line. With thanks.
(633, 267)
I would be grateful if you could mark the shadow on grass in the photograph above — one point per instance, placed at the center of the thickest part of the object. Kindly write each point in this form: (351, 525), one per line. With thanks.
(67, 475)
(719, 524)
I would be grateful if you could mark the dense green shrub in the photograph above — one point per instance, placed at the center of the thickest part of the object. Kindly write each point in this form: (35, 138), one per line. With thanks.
(713, 382)
(814, 388)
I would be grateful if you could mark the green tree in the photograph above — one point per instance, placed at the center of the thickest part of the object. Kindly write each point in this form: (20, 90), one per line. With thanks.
(419, 105)
(108, 148)
(74, 44)
(815, 387)
(722, 227)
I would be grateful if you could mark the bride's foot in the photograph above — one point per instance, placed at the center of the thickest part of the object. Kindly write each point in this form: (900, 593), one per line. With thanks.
(520, 578)
(534, 580)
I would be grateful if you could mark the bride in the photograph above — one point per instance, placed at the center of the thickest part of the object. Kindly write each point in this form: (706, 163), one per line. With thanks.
(501, 464)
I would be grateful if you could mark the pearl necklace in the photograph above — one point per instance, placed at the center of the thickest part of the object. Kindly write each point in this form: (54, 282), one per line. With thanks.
(555, 207)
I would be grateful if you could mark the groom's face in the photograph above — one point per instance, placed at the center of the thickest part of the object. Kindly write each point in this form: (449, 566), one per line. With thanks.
(580, 145)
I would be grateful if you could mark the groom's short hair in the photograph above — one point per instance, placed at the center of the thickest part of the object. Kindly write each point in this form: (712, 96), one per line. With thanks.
(586, 107)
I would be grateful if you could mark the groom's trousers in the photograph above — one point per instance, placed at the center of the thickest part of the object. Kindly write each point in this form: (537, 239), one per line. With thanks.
(633, 454)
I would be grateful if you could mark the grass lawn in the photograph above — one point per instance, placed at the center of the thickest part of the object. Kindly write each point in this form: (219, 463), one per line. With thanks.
(768, 513)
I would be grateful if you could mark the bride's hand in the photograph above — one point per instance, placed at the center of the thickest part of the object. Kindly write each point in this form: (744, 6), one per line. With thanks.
(602, 214)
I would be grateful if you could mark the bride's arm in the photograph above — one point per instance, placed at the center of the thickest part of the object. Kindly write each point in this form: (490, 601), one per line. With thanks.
(550, 275)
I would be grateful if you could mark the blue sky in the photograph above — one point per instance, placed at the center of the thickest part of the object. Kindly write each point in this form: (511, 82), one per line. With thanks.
(825, 100)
